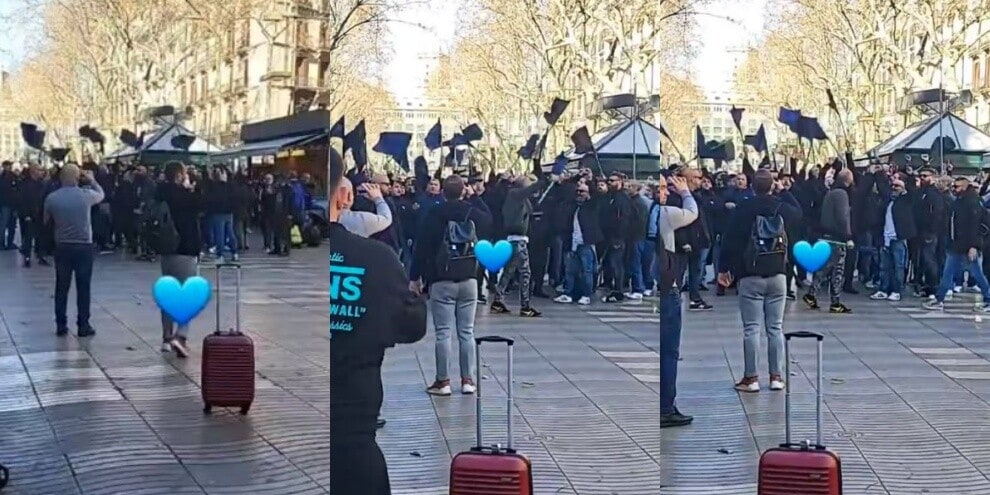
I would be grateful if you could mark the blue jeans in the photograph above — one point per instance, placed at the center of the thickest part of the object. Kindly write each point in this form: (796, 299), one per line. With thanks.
(579, 280)
(73, 259)
(893, 260)
(642, 265)
(8, 227)
(453, 306)
(222, 228)
(670, 349)
(956, 263)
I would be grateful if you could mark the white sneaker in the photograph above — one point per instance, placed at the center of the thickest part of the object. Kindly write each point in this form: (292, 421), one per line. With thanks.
(634, 295)
(647, 293)
(584, 301)
(894, 296)
(948, 296)
(777, 384)
(439, 388)
(166, 347)
(468, 388)
(974, 289)
(879, 295)
(748, 385)
(933, 306)
(957, 289)
(870, 285)
(563, 299)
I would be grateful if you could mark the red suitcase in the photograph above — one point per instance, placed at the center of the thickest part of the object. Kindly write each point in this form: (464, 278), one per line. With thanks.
(803, 468)
(228, 359)
(491, 470)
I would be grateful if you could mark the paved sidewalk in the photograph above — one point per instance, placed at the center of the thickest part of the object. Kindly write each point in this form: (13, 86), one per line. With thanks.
(111, 415)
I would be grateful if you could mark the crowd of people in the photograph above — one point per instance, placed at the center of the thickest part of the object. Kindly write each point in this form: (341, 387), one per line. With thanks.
(181, 216)
(577, 237)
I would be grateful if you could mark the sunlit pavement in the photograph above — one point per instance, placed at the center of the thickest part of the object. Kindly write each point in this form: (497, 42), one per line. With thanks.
(906, 395)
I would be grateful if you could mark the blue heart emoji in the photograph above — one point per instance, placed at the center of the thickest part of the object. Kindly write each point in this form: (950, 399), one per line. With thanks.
(812, 258)
(182, 302)
(493, 257)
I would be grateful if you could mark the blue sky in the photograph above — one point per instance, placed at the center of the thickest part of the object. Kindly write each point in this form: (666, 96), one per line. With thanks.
(12, 34)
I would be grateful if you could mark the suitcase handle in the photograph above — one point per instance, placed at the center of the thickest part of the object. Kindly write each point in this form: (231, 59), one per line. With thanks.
(787, 390)
(495, 339)
(804, 334)
(237, 297)
(508, 402)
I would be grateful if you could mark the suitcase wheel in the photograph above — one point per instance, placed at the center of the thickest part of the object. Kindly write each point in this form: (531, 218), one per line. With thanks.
(245, 408)
(207, 409)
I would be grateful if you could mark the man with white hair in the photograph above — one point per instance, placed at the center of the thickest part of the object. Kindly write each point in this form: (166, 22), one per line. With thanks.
(69, 208)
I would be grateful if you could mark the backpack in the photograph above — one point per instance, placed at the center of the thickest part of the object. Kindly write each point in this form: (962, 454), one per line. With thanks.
(160, 229)
(455, 259)
(766, 251)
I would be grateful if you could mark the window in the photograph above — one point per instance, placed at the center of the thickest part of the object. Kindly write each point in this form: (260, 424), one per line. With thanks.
(977, 73)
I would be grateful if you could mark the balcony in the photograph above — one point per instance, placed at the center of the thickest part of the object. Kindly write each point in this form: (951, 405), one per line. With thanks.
(239, 85)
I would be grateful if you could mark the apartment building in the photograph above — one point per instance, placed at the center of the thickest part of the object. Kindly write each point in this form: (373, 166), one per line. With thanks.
(10, 129)
(417, 115)
(260, 68)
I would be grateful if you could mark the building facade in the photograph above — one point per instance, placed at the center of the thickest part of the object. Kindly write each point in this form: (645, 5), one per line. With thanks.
(417, 115)
(10, 129)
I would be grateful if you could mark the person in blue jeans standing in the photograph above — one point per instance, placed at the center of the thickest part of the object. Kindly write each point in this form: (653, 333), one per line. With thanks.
(582, 233)
(670, 269)
(220, 212)
(898, 228)
(69, 209)
(966, 217)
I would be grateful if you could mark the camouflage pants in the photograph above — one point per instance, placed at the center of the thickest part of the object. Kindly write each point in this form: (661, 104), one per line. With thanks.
(833, 273)
(518, 264)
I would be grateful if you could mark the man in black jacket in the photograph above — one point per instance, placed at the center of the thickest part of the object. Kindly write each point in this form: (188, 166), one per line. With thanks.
(898, 229)
(30, 201)
(371, 309)
(930, 217)
(581, 232)
(452, 284)
(967, 218)
(8, 204)
(616, 212)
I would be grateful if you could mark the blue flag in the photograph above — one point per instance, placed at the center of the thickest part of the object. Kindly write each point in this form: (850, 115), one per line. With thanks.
(356, 142)
(472, 133)
(758, 141)
(737, 114)
(559, 164)
(433, 138)
(809, 128)
(395, 145)
(789, 117)
(337, 131)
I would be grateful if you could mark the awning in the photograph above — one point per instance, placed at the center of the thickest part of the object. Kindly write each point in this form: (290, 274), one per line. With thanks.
(269, 147)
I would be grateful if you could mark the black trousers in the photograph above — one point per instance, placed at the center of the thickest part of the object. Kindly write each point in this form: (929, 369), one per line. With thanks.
(539, 257)
(29, 235)
(357, 466)
(77, 260)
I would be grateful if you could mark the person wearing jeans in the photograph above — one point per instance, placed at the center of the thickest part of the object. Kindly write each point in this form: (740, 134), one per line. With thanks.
(69, 208)
(450, 280)
(580, 231)
(963, 253)
(762, 284)
(761, 301)
(453, 306)
(898, 226)
(670, 267)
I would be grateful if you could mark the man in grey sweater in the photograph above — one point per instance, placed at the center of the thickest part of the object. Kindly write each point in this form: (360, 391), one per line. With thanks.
(836, 228)
(69, 209)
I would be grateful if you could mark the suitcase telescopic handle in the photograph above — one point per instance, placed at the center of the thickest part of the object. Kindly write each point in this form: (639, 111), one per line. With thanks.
(237, 295)
(818, 388)
(508, 402)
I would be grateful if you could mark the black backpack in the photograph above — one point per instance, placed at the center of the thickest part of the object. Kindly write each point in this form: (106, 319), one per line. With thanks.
(456, 261)
(160, 229)
(766, 251)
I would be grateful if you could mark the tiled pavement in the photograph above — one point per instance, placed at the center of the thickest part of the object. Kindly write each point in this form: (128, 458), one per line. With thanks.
(906, 396)
(111, 415)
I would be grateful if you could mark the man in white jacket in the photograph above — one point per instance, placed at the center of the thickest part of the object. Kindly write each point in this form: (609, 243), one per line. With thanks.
(363, 223)
(671, 269)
